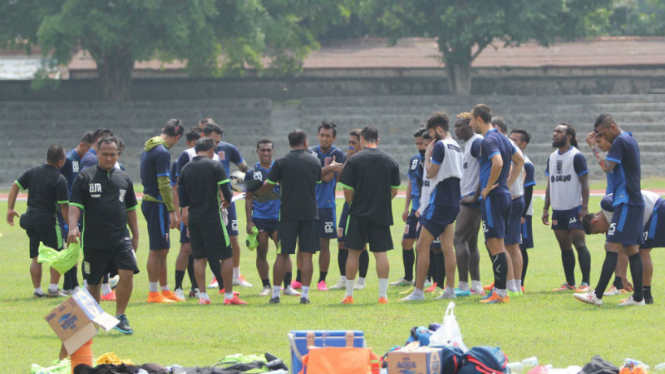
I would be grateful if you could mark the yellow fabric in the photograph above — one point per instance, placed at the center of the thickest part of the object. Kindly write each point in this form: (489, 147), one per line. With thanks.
(111, 358)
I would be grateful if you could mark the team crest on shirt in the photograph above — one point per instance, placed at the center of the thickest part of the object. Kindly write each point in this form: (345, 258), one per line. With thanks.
(121, 195)
(327, 160)
(466, 165)
(75, 166)
(258, 176)
(222, 155)
(559, 166)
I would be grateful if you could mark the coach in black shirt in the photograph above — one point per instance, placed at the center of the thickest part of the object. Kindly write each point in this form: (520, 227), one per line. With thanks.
(370, 179)
(297, 173)
(106, 197)
(47, 189)
(198, 187)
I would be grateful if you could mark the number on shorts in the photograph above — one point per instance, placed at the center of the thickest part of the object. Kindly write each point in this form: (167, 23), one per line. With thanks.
(328, 227)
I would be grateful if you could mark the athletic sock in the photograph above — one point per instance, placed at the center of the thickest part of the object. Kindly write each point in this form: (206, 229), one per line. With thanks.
(299, 276)
(288, 276)
(636, 270)
(500, 268)
(568, 259)
(584, 258)
(510, 285)
(439, 269)
(501, 292)
(361, 280)
(363, 264)
(476, 285)
(383, 287)
(431, 271)
(190, 272)
(179, 276)
(463, 286)
(525, 262)
(204, 295)
(609, 265)
(276, 290)
(408, 257)
(228, 295)
(39, 290)
(216, 269)
(266, 283)
(153, 286)
(305, 292)
(417, 292)
(165, 288)
(322, 276)
(518, 285)
(53, 287)
(646, 291)
(449, 291)
(236, 272)
(349, 286)
(106, 289)
(618, 282)
(342, 255)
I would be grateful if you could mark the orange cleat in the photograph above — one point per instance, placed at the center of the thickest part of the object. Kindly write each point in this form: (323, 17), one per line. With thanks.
(495, 299)
(348, 300)
(109, 296)
(234, 301)
(158, 298)
(431, 288)
(171, 296)
(489, 287)
(383, 300)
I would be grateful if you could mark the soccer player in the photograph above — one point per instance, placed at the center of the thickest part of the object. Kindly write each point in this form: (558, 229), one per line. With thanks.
(627, 226)
(468, 219)
(199, 186)
(297, 173)
(363, 262)
(495, 154)
(47, 190)
(70, 170)
(331, 159)
(158, 208)
(521, 138)
(90, 157)
(513, 238)
(413, 189)
(439, 205)
(370, 180)
(106, 197)
(265, 217)
(654, 231)
(568, 192)
(228, 153)
(121, 148)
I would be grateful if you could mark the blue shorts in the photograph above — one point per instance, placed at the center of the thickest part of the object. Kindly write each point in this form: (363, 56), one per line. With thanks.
(412, 228)
(514, 225)
(341, 228)
(494, 212)
(527, 233)
(266, 225)
(654, 229)
(184, 234)
(436, 218)
(627, 226)
(327, 223)
(232, 226)
(567, 219)
(157, 218)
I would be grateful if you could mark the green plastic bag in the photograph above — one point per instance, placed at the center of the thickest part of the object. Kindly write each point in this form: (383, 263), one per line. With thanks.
(251, 241)
(57, 367)
(61, 261)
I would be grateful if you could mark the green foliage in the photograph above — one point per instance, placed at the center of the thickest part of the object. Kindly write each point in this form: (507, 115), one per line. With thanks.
(640, 17)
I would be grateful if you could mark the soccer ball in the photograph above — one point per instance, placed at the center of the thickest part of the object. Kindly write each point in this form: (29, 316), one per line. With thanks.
(237, 180)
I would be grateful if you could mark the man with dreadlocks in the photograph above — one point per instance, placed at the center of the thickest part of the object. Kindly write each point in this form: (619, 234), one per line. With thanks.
(568, 193)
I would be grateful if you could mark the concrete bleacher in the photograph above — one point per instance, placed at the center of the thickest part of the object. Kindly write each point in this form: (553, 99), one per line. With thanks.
(29, 127)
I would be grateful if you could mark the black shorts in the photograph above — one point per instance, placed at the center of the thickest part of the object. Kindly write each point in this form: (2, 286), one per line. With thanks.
(210, 240)
(98, 263)
(232, 226)
(327, 223)
(302, 233)
(159, 222)
(360, 231)
(184, 234)
(266, 225)
(50, 235)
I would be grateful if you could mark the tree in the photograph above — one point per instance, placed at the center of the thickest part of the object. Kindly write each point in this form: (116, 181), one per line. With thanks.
(463, 29)
(118, 33)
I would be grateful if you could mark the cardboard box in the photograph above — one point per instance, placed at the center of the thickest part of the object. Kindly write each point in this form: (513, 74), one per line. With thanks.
(74, 320)
(422, 361)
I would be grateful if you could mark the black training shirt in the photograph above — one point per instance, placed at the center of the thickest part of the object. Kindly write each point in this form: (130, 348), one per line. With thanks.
(105, 198)
(371, 174)
(45, 191)
(198, 188)
(297, 174)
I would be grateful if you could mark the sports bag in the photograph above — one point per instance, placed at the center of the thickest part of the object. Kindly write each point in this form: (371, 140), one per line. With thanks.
(484, 360)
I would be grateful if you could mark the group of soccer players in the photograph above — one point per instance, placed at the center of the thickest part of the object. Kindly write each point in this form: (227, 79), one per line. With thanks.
(292, 203)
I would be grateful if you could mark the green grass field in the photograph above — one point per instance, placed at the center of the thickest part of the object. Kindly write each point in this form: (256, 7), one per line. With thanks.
(554, 327)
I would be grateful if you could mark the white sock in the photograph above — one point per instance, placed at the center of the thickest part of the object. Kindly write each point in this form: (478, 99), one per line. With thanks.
(349, 286)
(383, 286)
(204, 295)
(106, 288)
(518, 284)
(464, 286)
(276, 290)
(236, 272)
(361, 280)
(228, 295)
(39, 290)
(502, 293)
(448, 291)
(305, 292)
(153, 286)
(165, 288)
(511, 284)
(53, 287)
(76, 289)
(476, 285)
(418, 292)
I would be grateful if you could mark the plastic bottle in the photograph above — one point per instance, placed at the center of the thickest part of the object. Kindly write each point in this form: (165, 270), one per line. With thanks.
(530, 362)
(630, 362)
(659, 367)
(515, 367)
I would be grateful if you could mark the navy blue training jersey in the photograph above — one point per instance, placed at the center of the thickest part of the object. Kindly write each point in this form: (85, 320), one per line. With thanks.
(492, 144)
(325, 191)
(268, 209)
(72, 168)
(155, 162)
(228, 153)
(415, 175)
(626, 174)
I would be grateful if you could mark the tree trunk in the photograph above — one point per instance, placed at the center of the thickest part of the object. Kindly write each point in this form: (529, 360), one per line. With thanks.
(458, 68)
(115, 74)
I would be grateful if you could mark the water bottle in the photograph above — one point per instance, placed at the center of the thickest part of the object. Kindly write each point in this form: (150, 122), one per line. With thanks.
(630, 362)
(660, 367)
(515, 367)
(530, 362)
